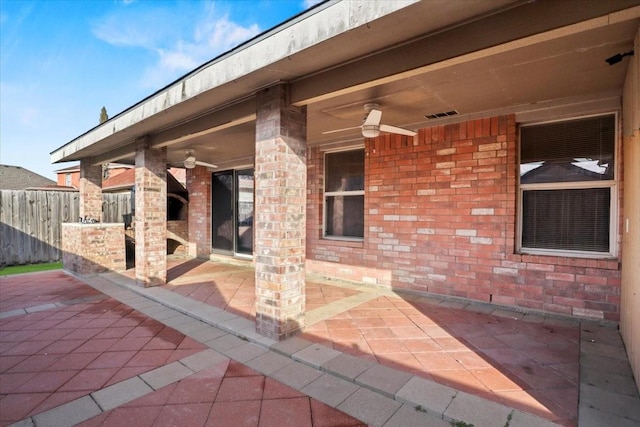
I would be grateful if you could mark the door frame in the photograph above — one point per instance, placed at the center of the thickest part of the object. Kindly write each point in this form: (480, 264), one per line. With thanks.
(235, 210)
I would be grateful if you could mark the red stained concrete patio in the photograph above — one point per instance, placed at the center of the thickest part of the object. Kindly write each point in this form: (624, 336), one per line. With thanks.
(529, 362)
(61, 340)
(228, 394)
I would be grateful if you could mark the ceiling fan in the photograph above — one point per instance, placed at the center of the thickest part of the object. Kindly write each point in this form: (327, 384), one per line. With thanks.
(371, 126)
(190, 161)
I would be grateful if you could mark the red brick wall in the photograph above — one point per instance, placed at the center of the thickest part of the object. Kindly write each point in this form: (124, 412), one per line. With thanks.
(178, 231)
(440, 216)
(75, 178)
(199, 211)
(93, 248)
(279, 218)
(151, 215)
(90, 191)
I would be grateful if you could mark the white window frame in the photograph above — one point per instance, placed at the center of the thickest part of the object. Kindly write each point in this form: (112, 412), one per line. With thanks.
(326, 194)
(611, 184)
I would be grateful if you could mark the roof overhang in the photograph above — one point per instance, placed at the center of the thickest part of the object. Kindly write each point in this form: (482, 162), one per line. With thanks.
(411, 57)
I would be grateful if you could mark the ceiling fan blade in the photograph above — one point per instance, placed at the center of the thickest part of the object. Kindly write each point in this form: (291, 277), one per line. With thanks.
(340, 130)
(205, 164)
(373, 118)
(395, 129)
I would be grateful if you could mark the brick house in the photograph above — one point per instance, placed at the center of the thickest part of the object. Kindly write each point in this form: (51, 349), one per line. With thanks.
(70, 175)
(512, 179)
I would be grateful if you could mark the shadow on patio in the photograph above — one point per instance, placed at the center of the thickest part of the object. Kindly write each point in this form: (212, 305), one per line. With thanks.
(525, 361)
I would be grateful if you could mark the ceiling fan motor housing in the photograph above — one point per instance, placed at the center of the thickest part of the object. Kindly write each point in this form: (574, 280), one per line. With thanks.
(190, 160)
(370, 131)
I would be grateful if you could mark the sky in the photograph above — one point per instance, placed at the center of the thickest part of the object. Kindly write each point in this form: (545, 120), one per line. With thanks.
(62, 61)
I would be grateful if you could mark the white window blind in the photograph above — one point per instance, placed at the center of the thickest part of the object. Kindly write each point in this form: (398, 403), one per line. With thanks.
(566, 185)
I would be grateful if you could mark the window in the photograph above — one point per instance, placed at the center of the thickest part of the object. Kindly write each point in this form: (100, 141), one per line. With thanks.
(567, 187)
(67, 179)
(344, 194)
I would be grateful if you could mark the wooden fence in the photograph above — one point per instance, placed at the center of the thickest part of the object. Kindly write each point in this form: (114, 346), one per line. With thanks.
(30, 222)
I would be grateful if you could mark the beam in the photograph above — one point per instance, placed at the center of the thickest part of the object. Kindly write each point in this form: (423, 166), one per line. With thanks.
(115, 155)
(213, 121)
(519, 27)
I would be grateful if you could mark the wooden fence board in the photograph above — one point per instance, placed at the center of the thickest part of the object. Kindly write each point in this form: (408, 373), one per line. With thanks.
(30, 222)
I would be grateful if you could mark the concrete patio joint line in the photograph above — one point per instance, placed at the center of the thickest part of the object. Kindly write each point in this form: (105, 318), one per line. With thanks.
(421, 394)
(49, 306)
(337, 307)
(115, 395)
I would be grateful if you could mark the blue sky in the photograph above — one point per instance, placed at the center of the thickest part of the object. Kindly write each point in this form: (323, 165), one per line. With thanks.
(61, 61)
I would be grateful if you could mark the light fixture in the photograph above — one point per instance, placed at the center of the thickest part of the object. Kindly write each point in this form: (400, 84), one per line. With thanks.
(370, 131)
(618, 57)
(190, 162)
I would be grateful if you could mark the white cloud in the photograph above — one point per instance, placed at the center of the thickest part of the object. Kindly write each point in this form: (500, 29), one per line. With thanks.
(181, 41)
(222, 34)
(133, 28)
(311, 3)
(176, 60)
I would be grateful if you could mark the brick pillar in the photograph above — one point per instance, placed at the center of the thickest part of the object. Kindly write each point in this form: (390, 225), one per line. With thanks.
(280, 207)
(199, 187)
(90, 190)
(151, 215)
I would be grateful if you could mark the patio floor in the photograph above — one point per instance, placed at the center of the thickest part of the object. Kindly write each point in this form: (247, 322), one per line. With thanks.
(367, 356)
(528, 362)
(62, 341)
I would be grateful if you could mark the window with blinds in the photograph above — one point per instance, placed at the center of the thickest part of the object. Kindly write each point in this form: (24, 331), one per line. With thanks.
(344, 195)
(567, 187)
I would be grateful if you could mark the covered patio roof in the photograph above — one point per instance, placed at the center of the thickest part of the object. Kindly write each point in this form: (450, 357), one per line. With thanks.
(415, 59)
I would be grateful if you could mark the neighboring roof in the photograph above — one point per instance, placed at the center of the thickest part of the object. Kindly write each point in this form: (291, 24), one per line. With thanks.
(126, 180)
(19, 178)
(53, 188)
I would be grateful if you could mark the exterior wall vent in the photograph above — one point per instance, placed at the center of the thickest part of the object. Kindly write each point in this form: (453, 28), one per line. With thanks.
(441, 115)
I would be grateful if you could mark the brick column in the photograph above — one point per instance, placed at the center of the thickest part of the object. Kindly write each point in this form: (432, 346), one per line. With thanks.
(151, 215)
(90, 190)
(280, 207)
(199, 187)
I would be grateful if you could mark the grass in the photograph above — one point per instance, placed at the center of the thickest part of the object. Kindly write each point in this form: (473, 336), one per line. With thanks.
(30, 268)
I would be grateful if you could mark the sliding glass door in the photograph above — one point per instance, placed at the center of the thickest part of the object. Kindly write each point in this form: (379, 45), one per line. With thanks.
(244, 212)
(232, 212)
